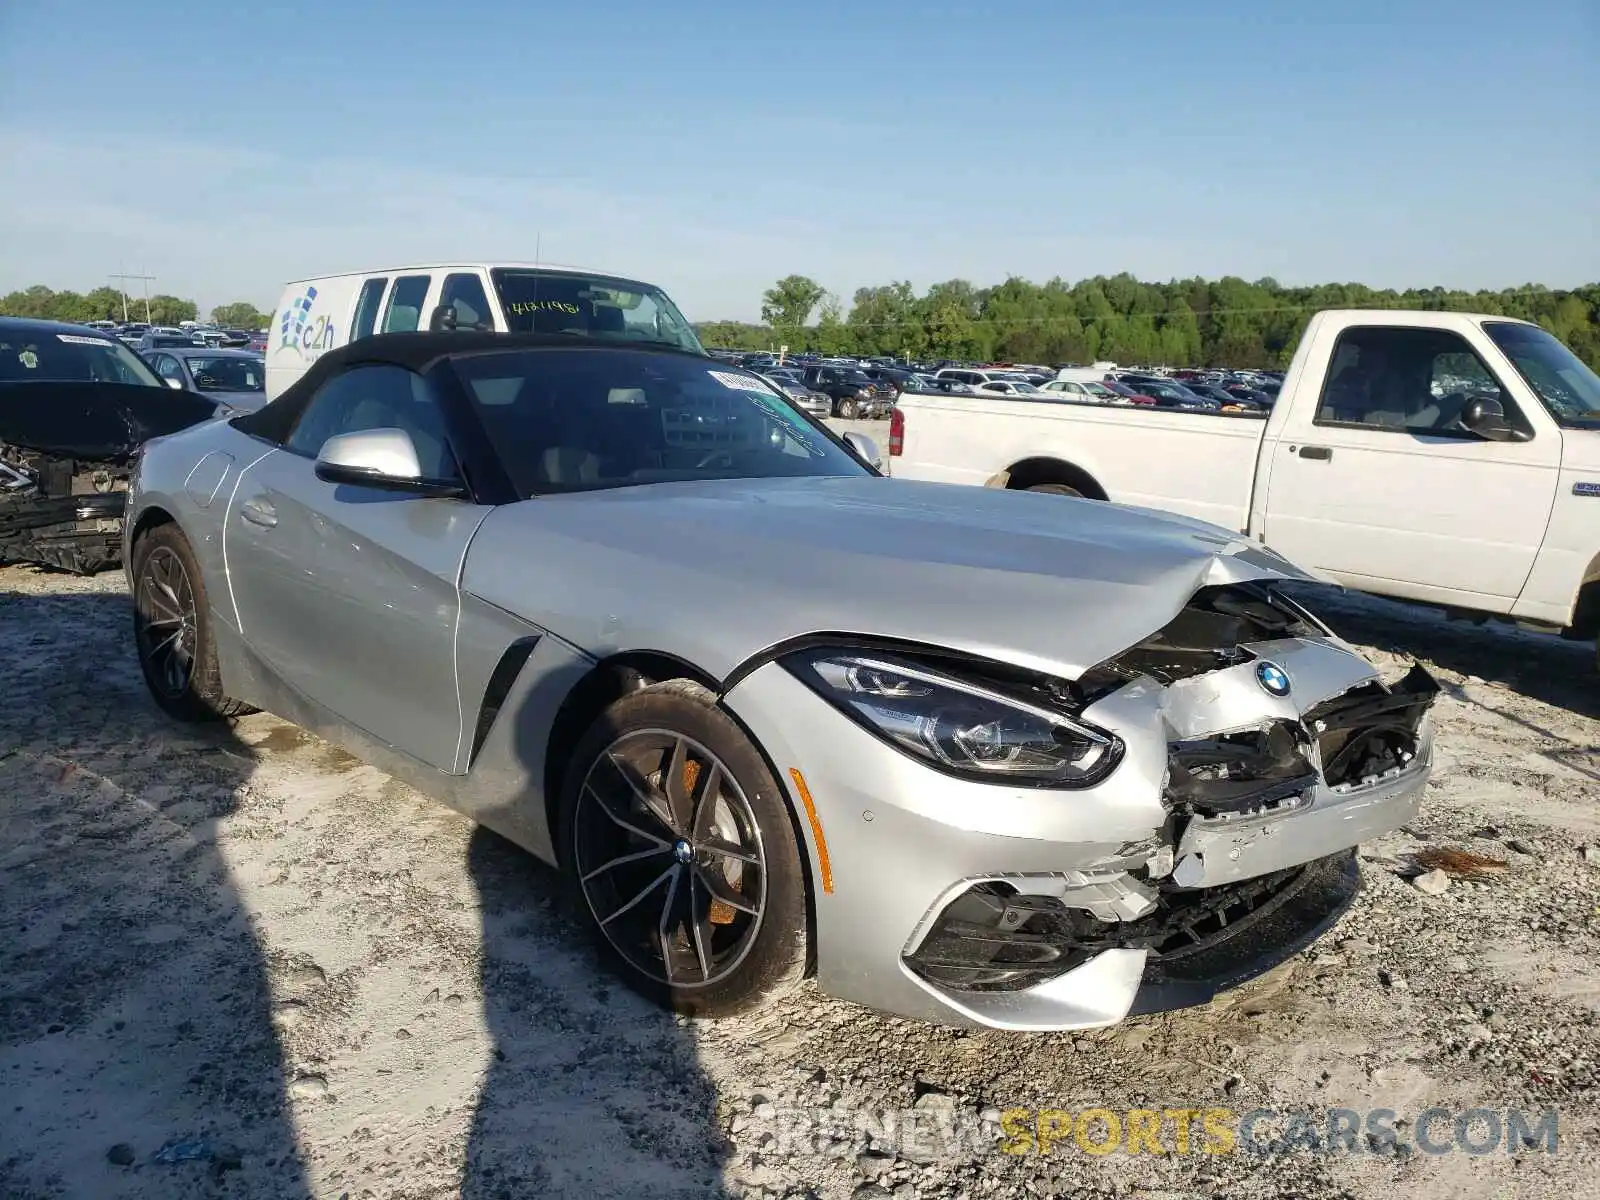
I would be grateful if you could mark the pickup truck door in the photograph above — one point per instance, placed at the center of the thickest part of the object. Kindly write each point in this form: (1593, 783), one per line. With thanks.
(1375, 482)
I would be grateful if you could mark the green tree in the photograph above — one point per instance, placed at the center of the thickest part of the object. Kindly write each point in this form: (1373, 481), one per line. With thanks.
(831, 335)
(169, 310)
(241, 314)
(788, 304)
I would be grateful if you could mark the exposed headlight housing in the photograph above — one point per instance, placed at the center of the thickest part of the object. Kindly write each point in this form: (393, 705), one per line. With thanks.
(958, 725)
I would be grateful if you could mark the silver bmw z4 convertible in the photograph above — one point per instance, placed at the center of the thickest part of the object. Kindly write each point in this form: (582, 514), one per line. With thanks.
(966, 755)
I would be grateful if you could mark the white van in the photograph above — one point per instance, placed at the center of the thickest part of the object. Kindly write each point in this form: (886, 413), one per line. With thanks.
(318, 315)
(1095, 374)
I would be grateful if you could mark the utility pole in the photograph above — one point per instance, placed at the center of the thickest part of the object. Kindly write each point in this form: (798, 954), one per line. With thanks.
(122, 278)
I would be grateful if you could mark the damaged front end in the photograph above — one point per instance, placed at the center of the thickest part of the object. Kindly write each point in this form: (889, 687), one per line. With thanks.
(60, 513)
(1284, 750)
(66, 451)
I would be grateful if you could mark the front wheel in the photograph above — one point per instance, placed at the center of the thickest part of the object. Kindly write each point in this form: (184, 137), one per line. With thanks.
(848, 410)
(680, 847)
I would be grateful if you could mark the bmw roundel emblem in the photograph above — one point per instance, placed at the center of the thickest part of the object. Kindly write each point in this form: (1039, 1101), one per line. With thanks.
(1274, 680)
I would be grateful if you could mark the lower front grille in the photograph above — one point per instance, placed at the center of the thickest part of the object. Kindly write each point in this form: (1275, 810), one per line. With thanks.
(992, 938)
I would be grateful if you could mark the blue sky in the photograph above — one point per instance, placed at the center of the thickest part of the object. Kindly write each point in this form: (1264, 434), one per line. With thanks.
(714, 147)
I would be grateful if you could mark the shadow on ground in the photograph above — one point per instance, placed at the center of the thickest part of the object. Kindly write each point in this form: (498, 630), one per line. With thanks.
(591, 1091)
(134, 999)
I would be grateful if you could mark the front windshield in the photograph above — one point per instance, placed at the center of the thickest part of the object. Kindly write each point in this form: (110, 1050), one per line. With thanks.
(591, 305)
(28, 357)
(1025, 389)
(227, 373)
(586, 419)
(1561, 380)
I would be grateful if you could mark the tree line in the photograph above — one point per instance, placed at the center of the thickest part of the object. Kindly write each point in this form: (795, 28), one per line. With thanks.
(107, 304)
(1227, 322)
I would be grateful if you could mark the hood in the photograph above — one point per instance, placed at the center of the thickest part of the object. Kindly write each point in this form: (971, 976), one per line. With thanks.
(716, 572)
(244, 402)
(98, 422)
(1580, 449)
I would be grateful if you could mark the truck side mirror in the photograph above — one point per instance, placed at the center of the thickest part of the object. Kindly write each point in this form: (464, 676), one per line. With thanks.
(1485, 416)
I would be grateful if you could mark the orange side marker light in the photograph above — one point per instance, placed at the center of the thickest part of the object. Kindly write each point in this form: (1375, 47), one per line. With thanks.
(824, 867)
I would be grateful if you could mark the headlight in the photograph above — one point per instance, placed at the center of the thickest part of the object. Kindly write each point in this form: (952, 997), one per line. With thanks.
(960, 727)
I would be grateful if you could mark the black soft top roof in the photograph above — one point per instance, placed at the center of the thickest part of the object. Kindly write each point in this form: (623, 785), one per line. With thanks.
(419, 351)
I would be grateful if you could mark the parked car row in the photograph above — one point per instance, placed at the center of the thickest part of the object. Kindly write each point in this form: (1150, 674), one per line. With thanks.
(858, 387)
(143, 336)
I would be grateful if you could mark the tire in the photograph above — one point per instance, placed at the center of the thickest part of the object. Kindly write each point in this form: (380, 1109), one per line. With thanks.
(169, 594)
(724, 959)
(1055, 489)
(848, 410)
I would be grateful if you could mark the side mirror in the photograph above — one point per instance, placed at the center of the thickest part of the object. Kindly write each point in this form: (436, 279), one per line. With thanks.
(1485, 416)
(865, 449)
(380, 458)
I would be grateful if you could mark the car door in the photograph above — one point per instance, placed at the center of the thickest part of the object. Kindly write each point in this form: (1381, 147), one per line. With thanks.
(350, 594)
(1376, 482)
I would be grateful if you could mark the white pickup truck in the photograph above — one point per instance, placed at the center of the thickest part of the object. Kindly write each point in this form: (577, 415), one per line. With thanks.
(1446, 458)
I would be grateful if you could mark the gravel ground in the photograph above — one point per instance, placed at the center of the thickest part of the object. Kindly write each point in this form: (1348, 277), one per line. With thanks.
(244, 939)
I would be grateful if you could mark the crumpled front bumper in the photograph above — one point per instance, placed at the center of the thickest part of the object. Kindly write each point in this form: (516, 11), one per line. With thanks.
(967, 903)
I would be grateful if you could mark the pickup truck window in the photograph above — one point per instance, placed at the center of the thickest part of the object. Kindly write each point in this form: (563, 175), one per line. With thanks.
(1563, 382)
(1406, 380)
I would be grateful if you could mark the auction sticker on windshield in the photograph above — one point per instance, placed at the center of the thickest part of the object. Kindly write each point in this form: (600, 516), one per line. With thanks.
(80, 340)
(740, 383)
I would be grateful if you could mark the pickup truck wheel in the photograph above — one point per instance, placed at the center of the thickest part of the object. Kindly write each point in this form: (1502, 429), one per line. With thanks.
(848, 410)
(1055, 489)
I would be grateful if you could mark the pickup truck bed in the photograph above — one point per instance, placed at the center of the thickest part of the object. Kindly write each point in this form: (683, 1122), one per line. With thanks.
(1196, 463)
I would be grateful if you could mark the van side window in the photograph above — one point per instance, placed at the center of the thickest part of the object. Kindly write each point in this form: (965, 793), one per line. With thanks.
(464, 293)
(367, 308)
(1406, 380)
(405, 303)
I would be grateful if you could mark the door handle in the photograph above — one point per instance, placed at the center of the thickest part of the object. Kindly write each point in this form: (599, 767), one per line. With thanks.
(259, 512)
(1318, 452)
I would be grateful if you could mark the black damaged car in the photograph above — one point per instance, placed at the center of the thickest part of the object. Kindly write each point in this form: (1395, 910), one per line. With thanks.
(75, 406)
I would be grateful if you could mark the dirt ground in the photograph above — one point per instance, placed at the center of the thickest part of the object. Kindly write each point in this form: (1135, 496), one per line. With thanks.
(245, 944)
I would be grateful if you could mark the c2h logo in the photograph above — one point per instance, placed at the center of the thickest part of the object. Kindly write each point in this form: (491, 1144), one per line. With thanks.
(298, 331)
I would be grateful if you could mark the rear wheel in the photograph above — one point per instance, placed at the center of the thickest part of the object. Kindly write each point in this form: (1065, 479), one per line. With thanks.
(172, 629)
(1056, 489)
(679, 845)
